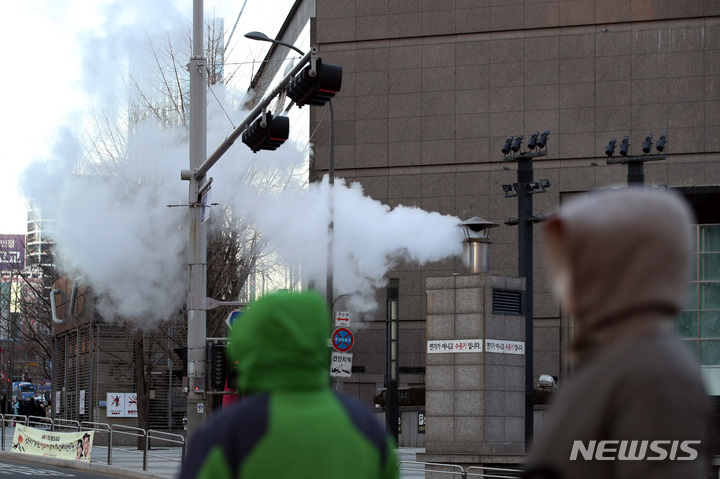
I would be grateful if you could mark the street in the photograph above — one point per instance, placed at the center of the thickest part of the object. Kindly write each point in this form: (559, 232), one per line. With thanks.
(20, 469)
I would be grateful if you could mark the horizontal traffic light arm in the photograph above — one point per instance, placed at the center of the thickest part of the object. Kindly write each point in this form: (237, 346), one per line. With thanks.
(235, 134)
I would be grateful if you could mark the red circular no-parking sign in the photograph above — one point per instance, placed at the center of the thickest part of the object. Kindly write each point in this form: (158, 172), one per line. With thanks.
(342, 339)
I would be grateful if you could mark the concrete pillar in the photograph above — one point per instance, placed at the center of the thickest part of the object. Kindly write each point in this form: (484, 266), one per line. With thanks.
(475, 399)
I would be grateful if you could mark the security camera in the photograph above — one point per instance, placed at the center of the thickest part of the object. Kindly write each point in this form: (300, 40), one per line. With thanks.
(547, 381)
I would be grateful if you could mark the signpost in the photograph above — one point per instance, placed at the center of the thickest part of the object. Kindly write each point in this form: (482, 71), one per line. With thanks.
(342, 340)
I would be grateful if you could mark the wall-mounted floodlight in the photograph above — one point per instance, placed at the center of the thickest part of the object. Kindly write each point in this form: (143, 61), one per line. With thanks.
(624, 146)
(508, 143)
(532, 143)
(635, 163)
(660, 145)
(542, 141)
(647, 143)
(516, 144)
(610, 150)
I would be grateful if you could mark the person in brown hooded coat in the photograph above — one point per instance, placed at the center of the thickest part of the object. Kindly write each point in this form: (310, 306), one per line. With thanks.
(635, 406)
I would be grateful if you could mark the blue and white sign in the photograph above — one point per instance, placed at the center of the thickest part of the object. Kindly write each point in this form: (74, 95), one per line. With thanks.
(232, 317)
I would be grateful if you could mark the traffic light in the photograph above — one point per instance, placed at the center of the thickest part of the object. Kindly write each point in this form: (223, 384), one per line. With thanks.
(315, 90)
(218, 366)
(182, 354)
(267, 133)
(232, 376)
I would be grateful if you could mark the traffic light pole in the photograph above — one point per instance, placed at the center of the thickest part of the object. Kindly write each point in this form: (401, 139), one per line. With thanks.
(198, 303)
(235, 134)
(197, 316)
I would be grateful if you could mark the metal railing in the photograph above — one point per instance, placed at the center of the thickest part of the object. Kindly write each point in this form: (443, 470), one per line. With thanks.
(111, 430)
(146, 438)
(436, 469)
(167, 437)
(132, 431)
(100, 427)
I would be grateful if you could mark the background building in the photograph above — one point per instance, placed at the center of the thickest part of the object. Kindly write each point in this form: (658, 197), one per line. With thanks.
(431, 91)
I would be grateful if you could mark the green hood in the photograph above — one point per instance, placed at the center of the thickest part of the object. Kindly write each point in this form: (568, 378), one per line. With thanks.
(280, 343)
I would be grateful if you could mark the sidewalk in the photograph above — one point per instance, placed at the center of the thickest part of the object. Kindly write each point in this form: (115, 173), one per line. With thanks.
(128, 462)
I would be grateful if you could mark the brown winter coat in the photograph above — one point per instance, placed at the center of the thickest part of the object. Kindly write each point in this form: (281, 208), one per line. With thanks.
(620, 259)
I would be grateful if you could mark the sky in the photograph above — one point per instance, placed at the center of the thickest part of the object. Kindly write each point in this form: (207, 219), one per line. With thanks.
(64, 54)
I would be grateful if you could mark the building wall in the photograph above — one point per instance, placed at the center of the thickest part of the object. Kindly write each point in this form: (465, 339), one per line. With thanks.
(432, 89)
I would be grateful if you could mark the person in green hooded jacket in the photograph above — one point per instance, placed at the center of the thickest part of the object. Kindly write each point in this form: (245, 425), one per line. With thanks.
(290, 423)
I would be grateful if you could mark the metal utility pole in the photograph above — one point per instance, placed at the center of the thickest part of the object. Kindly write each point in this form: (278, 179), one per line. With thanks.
(197, 230)
(525, 270)
(525, 188)
(198, 303)
(329, 286)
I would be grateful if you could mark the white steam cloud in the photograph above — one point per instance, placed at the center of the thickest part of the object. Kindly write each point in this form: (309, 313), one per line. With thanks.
(115, 229)
(369, 237)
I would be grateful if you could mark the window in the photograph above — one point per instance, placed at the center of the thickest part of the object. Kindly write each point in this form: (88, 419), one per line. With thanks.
(699, 322)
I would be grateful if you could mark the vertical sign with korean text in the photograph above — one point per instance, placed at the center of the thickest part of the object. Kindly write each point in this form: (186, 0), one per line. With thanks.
(341, 364)
(12, 252)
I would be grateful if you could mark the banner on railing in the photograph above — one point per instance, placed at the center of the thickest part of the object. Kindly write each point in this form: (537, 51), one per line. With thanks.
(64, 445)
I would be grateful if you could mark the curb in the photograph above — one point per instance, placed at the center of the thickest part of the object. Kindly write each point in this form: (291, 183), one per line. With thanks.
(77, 465)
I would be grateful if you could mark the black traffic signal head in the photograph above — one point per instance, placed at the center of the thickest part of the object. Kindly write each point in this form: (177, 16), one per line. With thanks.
(624, 146)
(610, 150)
(647, 143)
(218, 366)
(542, 141)
(268, 137)
(315, 90)
(181, 353)
(508, 144)
(660, 145)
